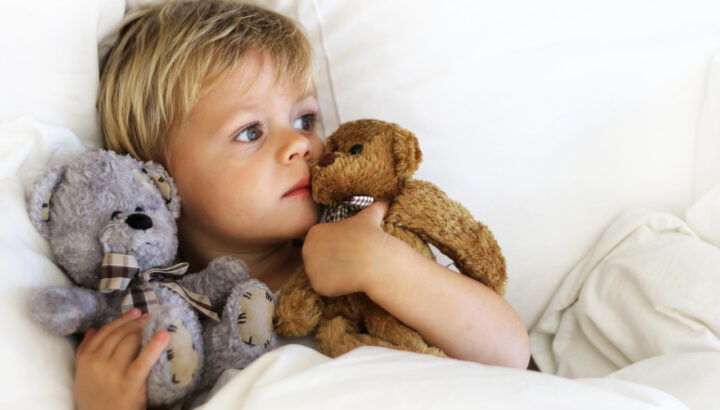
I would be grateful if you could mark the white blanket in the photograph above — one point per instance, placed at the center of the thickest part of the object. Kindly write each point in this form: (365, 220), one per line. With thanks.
(296, 377)
(644, 300)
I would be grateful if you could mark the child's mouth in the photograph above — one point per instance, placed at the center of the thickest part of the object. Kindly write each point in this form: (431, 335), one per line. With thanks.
(302, 188)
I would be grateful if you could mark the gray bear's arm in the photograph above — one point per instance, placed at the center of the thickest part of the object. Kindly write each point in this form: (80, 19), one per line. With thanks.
(218, 279)
(63, 311)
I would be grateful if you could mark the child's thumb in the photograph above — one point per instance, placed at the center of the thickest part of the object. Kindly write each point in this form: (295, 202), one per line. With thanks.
(377, 211)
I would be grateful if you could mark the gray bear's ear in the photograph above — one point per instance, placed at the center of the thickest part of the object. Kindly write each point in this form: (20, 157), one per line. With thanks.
(39, 198)
(165, 185)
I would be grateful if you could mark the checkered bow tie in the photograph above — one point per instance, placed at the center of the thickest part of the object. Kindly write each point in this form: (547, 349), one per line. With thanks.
(120, 272)
(346, 208)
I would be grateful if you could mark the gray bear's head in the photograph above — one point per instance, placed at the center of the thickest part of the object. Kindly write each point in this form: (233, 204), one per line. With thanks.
(106, 203)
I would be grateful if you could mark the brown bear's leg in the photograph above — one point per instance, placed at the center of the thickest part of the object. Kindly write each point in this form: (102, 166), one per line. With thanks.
(299, 307)
(383, 325)
(337, 336)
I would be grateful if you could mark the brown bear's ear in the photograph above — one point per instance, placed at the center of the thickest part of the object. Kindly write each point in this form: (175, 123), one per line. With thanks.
(39, 198)
(164, 184)
(407, 152)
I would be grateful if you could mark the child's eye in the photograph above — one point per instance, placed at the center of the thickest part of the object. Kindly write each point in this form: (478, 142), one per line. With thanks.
(249, 134)
(305, 122)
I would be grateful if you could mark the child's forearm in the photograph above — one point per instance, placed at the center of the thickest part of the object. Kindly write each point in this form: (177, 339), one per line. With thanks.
(461, 316)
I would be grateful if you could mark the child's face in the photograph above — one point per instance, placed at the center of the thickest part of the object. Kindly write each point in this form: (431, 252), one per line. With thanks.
(241, 160)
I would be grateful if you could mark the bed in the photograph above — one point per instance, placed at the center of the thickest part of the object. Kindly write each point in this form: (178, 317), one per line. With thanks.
(586, 135)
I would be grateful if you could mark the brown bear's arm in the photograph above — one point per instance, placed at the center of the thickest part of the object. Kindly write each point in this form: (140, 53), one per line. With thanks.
(299, 307)
(426, 210)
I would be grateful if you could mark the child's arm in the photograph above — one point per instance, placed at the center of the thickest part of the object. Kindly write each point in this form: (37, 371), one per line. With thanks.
(457, 314)
(110, 368)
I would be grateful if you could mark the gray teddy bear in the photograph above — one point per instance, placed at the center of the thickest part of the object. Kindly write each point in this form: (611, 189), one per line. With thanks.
(110, 221)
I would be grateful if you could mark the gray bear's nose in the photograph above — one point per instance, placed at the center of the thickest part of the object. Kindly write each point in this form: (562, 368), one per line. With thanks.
(139, 221)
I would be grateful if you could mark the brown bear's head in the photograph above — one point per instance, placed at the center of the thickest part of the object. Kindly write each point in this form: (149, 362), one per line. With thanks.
(365, 157)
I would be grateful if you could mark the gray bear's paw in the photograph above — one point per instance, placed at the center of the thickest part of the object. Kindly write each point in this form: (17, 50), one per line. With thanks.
(254, 311)
(250, 311)
(58, 310)
(177, 371)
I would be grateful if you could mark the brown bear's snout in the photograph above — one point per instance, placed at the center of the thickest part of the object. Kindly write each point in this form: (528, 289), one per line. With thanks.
(139, 221)
(327, 159)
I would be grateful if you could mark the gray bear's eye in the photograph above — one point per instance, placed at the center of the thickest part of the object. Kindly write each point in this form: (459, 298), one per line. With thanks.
(115, 215)
(139, 209)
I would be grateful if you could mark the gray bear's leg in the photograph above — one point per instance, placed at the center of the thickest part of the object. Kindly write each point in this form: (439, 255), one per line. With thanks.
(179, 368)
(218, 279)
(245, 330)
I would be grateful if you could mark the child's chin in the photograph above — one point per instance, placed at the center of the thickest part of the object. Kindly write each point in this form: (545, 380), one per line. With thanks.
(304, 219)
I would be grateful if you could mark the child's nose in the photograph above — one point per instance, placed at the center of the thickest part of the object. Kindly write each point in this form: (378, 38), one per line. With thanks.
(296, 146)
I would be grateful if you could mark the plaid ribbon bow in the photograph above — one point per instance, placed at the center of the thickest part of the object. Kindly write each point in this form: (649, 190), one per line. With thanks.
(120, 271)
(339, 212)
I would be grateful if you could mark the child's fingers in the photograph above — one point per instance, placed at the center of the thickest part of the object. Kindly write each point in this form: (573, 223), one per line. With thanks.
(127, 348)
(86, 339)
(140, 368)
(104, 331)
(112, 340)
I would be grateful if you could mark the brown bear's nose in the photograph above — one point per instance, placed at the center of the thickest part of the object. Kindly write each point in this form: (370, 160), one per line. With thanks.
(327, 159)
(139, 221)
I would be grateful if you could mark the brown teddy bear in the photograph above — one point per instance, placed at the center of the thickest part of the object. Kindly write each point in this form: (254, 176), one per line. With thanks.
(371, 159)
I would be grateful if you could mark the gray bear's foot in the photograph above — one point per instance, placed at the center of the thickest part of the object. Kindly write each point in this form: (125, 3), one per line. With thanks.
(181, 354)
(177, 371)
(244, 332)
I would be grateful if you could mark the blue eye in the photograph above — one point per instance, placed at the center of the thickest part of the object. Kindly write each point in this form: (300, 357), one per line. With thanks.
(305, 123)
(249, 134)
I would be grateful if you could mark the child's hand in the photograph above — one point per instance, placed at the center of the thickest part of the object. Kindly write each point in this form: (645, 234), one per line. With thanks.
(109, 372)
(343, 257)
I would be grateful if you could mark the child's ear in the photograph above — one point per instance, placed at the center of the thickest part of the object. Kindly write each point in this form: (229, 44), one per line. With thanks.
(39, 198)
(165, 185)
(407, 152)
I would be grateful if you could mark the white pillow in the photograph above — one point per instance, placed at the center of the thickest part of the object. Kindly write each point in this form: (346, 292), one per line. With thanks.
(49, 56)
(38, 366)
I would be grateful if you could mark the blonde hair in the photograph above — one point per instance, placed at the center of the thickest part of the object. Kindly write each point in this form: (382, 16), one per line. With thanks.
(168, 55)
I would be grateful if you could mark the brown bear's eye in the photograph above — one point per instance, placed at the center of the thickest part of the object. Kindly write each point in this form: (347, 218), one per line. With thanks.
(336, 149)
(356, 149)
(114, 214)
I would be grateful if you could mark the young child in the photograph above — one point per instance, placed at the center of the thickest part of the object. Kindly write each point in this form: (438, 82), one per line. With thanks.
(222, 94)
